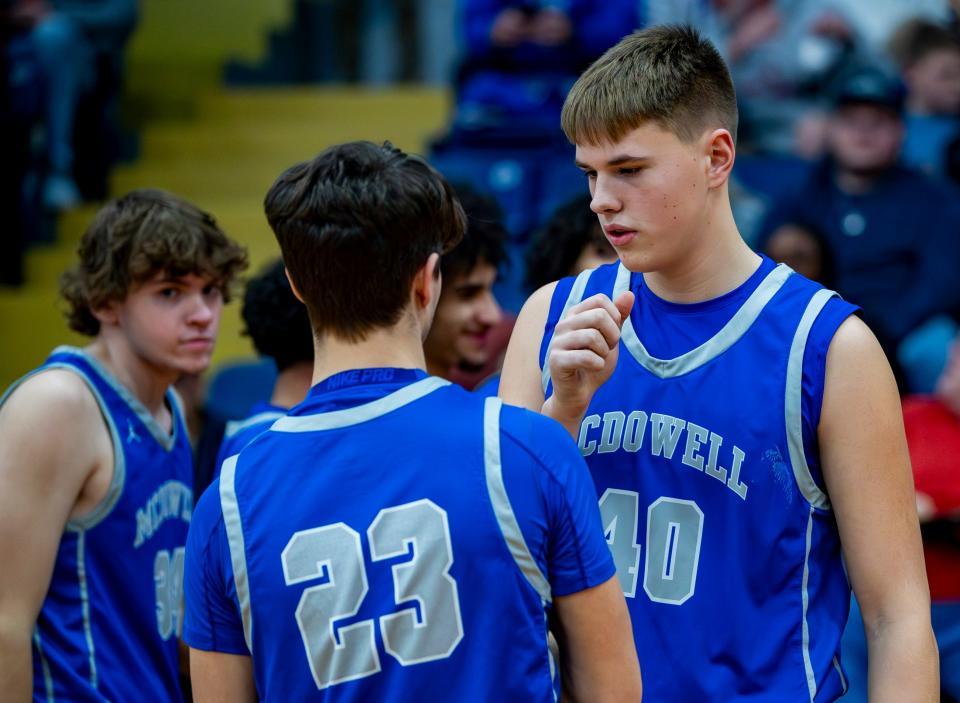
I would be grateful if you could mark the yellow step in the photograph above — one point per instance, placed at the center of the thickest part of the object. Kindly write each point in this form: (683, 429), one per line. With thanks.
(224, 160)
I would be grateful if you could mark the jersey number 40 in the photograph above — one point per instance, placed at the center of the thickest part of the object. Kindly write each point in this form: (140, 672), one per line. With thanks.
(674, 530)
(334, 551)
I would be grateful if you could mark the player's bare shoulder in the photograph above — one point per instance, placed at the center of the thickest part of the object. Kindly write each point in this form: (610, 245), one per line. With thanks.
(854, 357)
(520, 378)
(52, 423)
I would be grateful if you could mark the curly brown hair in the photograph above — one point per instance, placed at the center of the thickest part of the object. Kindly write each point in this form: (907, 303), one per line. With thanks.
(136, 236)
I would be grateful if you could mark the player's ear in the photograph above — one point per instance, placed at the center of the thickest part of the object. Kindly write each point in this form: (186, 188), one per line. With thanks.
(107, 313)
(426, 283)
(293, 286)
(721, 152)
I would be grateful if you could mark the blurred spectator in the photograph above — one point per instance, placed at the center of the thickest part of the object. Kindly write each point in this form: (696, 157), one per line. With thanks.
(929, 59)
(470, 331)
(381, 40)
(893, 232)
(875, 22)
(77, 44)
(780, 53)
(572, 241)
(932, 425)
(804, 248)
(522, 56)
(21, 97)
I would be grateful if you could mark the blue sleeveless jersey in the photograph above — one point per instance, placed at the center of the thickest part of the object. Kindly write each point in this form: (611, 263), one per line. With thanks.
(108, 628)
(238, 433)
(393, 541)
(702, 446)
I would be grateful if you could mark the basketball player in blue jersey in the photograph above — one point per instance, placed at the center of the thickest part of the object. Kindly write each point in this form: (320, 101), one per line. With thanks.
(279, 328)
(742, 426)
(395, 537)
(96, 470)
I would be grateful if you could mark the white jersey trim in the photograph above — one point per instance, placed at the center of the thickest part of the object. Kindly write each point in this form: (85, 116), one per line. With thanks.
(502, 509)
(100, 511)
(805, 596)
(725, 338)
(44, 664)
(793, 403)
(361, 413)
(167, 440)
(85, 606)
(235, 426)
(238, 555)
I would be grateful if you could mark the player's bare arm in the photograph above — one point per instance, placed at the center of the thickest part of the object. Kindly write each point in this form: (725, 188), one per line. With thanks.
(520, 377)
(221, 678)
(867, 471)
(582, 355)
(55, 465)
(598, 658)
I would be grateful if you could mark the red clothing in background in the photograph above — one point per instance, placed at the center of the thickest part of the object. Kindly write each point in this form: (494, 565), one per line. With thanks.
(933, 437)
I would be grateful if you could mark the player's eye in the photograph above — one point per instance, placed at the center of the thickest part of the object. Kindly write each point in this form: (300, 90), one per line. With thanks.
(469, 292)
(211, 290)
(169, 292)
(591, 175)
(629, 171)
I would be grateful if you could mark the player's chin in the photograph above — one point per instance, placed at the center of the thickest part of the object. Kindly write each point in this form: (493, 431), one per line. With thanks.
(474, 357)
(638, 261)
(634, 261)
(194, 363)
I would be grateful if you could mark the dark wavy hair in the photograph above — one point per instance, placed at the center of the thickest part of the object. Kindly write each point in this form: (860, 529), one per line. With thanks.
(355, 225)
(484, 239)
(276, 321)
(137, 236)
(555, 248)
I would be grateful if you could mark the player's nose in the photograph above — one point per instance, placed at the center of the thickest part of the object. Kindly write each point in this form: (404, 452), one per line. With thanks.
(604, 198)
(489, 312)
(203, 311)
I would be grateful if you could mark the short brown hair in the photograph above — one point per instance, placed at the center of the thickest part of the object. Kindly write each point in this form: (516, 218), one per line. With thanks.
(667, 74)
(133, 238)
(354, 226)
(916, 39)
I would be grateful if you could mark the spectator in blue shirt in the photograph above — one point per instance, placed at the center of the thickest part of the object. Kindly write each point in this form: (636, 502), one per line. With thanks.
(521, 56)
(893, 232)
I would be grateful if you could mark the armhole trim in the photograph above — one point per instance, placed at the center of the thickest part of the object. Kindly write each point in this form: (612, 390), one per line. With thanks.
(101, 510)
(238, 555)
(793, 403)
(500, 501)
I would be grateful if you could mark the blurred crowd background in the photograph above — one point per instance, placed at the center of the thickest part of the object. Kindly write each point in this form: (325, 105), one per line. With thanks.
(848, 163)
(849, 138)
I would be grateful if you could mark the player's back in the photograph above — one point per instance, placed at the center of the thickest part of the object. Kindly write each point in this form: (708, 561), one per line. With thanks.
(397, 549)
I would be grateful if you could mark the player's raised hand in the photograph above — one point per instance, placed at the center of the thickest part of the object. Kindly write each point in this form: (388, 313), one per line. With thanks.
(584, 352)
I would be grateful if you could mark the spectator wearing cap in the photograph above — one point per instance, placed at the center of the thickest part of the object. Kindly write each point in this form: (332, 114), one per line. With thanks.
(893, 233)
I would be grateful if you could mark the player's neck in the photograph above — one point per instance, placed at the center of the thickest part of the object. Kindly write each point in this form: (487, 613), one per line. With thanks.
(437, 369)
(400, 346)
(718, 262)
(146, 382)
(292, 385)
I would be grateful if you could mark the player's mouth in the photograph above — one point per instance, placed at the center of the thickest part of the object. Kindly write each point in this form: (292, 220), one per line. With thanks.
(477, 336)
(618, 235)
(198, 343)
